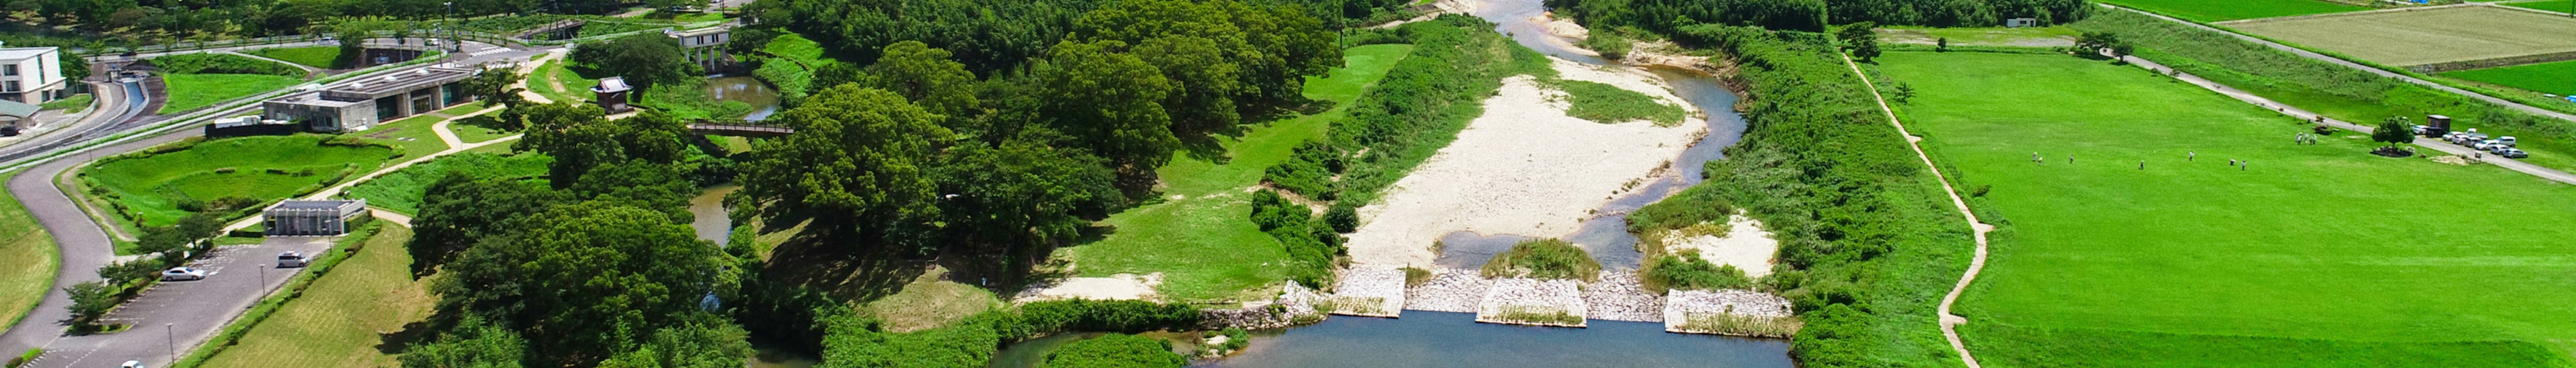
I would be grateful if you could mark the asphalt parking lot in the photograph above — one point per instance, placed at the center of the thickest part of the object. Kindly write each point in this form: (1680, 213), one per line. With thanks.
(238, 276)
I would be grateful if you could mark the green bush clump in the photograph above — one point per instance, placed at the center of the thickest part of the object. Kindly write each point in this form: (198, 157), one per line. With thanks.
(1308, 171)
(1311, 245)
(1343, 217)
(852, 340)
(1611, 45)
(1610, 104)
(1116, 351)
(1697, 205)
(1544, 259)
(222, 64)
(1688, 272)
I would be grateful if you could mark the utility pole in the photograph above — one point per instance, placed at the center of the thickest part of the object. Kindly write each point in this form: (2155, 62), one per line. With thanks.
(167, 329)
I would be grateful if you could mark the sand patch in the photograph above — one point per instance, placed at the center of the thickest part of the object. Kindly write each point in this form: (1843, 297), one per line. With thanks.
(1523, 168)
(1125, 286)
(1745, 246)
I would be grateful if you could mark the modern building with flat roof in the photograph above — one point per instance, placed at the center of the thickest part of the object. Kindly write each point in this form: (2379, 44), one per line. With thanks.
(705, 46)
(292, 217)
(362, 103)
(32, 75)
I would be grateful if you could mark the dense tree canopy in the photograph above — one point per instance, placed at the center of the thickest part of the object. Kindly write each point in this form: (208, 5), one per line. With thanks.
(644, 59)
(582, 280)
(859, 162)
(580, 137)
(925, 76)
(1107, 101)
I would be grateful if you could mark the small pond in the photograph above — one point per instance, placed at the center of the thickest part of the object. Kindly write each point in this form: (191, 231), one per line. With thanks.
(762, 98)
(710, 217)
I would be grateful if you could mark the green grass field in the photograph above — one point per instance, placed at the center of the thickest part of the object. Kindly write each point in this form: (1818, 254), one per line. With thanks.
(2326, 256)
(929, 302)
(2561, 6)
(342, 318)
(70, 105)
(27, 260)
(559, 84)
(325, 57)
(1203, 239)
(190, 91)
(2555, 78)
(2426, 36)
(149, 187)
(476, 134)
(400, 191)
(412, 134)
(2219, 10)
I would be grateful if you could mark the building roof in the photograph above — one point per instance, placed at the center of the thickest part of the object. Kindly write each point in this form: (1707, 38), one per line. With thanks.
(309, 205)
(700, 31)
(314, 98)
(611, 85)
(403, 81)
(16, 109)
(15, 53)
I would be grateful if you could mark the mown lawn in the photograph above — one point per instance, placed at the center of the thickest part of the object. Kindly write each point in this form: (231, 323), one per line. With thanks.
(71, 105)
(27, 260)
(342, 319)
(189, 91)
(929, 302)
(2219, 10)
(400, 191)
(412, 134)
(559, 84)
(267, 168)
(1202, 237)
(2325, 256)
(325, 57)
(2555, 78)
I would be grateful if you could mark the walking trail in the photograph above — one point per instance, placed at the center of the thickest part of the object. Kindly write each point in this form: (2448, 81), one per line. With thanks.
(1949, 322)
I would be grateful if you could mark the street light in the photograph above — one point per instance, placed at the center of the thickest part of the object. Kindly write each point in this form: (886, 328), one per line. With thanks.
(172, 332)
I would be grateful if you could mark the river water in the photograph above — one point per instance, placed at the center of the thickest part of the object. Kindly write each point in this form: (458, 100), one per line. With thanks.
(762, 98)
(709, 213)
(1605, 235)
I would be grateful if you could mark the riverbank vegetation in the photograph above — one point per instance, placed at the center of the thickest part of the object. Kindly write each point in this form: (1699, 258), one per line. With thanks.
(2068, 285)
(1116, 351)
(1543, 259)
(1610, 104)
(2333, 90)
(1418, 108)
(857, 341)
(1866, 244)
(1667, 16)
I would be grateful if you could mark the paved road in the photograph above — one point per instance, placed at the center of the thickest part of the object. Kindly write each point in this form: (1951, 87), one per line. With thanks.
(2293, 111)
(188, 313)
(2365, 68)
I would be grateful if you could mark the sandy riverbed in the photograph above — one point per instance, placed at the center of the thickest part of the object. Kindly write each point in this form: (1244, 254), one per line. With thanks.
(1745, 246)
(1523, 168)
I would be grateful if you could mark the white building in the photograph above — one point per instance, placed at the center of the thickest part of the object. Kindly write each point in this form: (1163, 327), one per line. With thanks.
(705, 46)
(32, 74)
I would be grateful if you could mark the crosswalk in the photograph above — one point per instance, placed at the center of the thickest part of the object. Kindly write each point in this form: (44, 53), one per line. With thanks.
(494, 50)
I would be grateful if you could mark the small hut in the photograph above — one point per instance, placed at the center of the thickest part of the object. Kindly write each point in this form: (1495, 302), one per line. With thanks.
(611, 94)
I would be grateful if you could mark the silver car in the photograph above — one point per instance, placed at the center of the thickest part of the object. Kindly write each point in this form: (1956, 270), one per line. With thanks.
(182, 274)
(291, 259)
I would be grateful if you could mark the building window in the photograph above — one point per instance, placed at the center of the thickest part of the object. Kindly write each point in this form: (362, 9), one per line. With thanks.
(11, 69)
(9, 86)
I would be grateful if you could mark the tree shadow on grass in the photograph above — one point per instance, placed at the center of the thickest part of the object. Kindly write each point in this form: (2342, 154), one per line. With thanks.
(397, 341)
(844, 269)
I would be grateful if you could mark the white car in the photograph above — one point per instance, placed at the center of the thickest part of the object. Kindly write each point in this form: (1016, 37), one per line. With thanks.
(291, 259)
(132, 364)
(182, 274)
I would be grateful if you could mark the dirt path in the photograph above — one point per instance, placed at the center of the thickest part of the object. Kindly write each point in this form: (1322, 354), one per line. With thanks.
(1949, 322)
(445, 135)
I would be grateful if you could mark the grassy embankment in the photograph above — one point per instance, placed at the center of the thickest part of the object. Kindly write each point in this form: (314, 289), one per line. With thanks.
(344, 319)
(190, 91)
(2557, 78)
(27, 260)
(2325, 256)
(792, 71)
(148, 187)
(413, 135)
(325, 57)
(559, 84)
(2222, 10)
(400, 191)
(1202, 238)
(2333, 90)
(70, 105)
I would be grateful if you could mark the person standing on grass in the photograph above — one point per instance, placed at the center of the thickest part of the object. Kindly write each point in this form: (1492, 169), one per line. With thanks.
(2241, 167)
(2142, 164)
(2034, 158)
(2193, 156)
(2070, 159)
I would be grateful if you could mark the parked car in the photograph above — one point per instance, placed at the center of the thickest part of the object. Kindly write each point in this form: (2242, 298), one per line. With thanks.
(132, 364)
(2506, 140)
(2510, 152)
(291, 259)
(182, 274)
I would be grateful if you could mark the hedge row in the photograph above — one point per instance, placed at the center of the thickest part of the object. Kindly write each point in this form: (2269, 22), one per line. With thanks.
(851, 340)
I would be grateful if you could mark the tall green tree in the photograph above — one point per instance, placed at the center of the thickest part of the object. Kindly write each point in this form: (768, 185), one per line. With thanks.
(583, 280)
(644, 59)
(2393, 131)
(704, 341)
(1012, 205)
(494, 86)
(580, 137)
(1108, 103)
(1204, 82)
(475, 343)
(858, 163)
(458, 210)
(927, 77)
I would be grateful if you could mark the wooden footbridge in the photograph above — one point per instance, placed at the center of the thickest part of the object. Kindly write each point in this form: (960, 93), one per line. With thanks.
(741, 130)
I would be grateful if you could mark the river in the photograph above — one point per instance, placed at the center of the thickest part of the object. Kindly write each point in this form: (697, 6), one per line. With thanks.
(762, 98)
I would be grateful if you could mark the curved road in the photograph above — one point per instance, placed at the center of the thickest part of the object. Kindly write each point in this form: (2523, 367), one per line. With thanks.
(189, 312)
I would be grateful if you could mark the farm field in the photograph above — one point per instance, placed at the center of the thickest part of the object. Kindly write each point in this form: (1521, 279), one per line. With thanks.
(2427, 36)
(265, 168)
(189, 91)
(27, 260)
(2325, 256)
(342, 318)
(1203, 237)
(325, 57)
(2219, 10)
(2027, 37)
(2560, 6)
(2554, 78)
(400, 191)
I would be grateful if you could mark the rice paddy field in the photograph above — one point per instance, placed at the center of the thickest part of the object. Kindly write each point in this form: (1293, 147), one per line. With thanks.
(2121, 250)
(2420, 37)
(1203, 238)
(2222, 10)
(150, 187)
(2561, 6)
(2557, 78)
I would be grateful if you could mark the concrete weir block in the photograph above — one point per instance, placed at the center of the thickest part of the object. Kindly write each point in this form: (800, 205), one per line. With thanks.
(1729, 312)
(1534, 302)
(1369, 291)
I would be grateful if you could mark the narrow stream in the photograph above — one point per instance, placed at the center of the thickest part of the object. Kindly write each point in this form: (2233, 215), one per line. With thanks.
(1605, 235)
(709, 213)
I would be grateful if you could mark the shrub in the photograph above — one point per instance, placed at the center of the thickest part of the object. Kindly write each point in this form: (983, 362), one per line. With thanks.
(1343, 217)
(1414, 276)
(1699, 204)
(1271, 211)
(1309, 170)
(1609, 104)
(1544, 259)
(27, 357)
(1116, 351)
(1610, 44)
(1688, 272)
(91, 300)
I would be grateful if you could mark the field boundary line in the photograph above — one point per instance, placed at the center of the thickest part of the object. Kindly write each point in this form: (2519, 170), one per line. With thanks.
(1949, 322)
(2301, 52)
(2543, 173)
(2343, 14)
(2542, 11)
